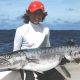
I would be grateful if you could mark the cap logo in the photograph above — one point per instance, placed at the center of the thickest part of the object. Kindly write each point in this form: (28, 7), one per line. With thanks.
(34, 5)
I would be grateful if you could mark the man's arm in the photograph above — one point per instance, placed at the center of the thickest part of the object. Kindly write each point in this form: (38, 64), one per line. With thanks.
(17, 40)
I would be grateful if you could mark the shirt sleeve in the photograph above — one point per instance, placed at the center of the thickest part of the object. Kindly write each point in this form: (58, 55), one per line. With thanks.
(46, 42)
(17, 40)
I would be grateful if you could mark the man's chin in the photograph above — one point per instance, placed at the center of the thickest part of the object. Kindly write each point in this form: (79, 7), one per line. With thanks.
(36, 23)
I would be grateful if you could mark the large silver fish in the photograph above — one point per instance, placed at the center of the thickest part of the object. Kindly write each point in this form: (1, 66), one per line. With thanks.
(39, 59)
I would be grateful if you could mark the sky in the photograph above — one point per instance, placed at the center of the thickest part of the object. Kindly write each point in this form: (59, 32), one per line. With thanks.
(62, 14)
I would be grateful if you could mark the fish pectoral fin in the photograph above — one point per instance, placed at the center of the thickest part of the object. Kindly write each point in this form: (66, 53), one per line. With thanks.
(33, 60)
(13, 69)
(63, 71)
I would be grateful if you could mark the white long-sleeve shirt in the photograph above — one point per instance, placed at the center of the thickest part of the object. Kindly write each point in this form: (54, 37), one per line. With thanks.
(31, 36)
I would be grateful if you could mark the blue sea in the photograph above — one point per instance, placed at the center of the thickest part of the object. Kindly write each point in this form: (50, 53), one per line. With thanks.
(57, 38)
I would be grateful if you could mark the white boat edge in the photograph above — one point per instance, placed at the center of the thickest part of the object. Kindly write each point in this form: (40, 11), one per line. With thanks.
(10, 75)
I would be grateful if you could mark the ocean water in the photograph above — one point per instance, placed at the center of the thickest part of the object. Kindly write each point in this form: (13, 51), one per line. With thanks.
(57, 38)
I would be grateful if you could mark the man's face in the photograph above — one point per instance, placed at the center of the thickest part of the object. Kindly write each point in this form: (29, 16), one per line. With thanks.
(35, 18)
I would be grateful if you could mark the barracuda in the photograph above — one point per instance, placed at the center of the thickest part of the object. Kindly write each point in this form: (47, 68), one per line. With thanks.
(39, 59)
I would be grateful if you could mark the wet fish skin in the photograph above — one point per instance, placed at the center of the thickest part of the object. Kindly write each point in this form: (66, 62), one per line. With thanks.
(39, 59)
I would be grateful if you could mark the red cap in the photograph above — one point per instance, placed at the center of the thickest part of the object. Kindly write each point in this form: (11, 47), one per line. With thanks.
(35, 5)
